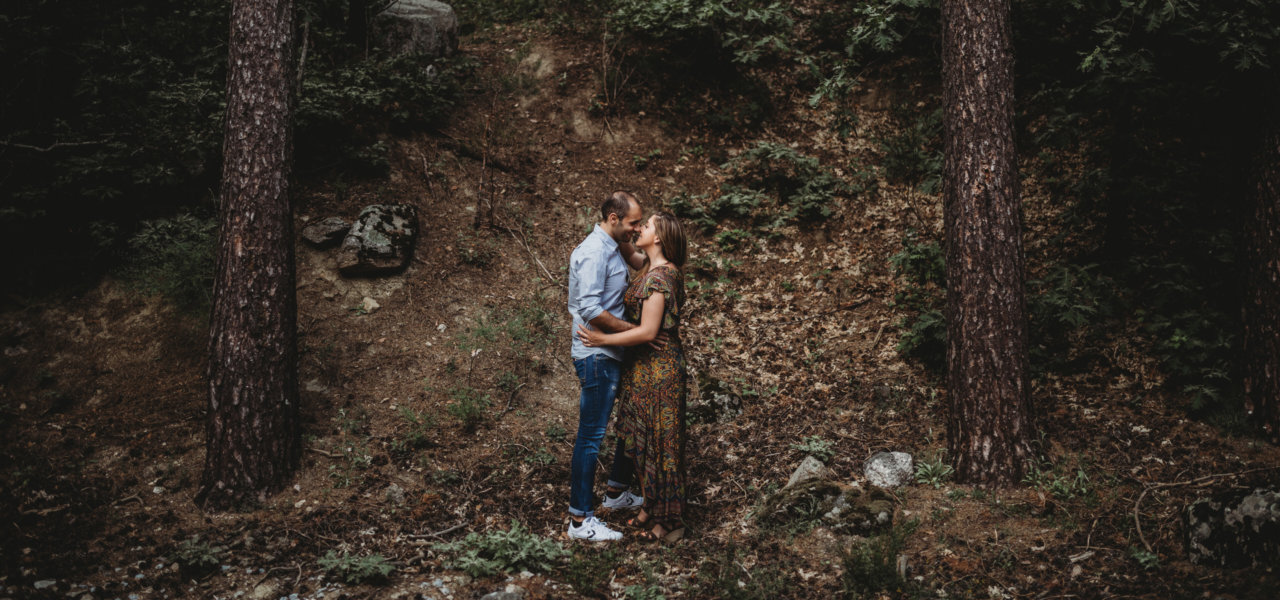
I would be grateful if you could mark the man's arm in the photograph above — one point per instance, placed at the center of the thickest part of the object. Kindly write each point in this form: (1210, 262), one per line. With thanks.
(609, 323)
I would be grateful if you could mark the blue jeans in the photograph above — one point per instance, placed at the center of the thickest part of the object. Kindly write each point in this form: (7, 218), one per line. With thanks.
(599, 376)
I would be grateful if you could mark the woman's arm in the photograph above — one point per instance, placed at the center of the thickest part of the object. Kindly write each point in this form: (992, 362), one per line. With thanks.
(633, 256)
(650, 324)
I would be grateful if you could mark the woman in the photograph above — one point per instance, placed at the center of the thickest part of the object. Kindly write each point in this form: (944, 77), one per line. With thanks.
(651, 421)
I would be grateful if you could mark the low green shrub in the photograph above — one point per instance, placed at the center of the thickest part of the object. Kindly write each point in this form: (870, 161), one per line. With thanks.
(175, 257)
(470, 406)
(589, 571)
(817, 447)
(494, 552)
(352, 569)
(871, 565)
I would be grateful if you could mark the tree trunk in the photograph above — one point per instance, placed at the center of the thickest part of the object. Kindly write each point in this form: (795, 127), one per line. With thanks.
(1262, 295)
(358, 22)
(253, 438)
(989, 426)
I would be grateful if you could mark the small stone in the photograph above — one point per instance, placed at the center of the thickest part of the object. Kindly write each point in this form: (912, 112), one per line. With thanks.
(315, 386)
(810, 468)
(395, 494)
(368, 305)
(45, 584)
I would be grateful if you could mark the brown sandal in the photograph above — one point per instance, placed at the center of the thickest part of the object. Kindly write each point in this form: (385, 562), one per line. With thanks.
(637, 523)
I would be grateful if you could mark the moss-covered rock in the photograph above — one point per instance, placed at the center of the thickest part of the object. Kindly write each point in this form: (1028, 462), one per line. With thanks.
(840, 507)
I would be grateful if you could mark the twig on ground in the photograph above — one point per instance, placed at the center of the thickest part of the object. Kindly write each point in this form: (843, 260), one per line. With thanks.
(273, 570)
(323, 452)
(511, 399)
(1137, 504)
(442, 532)
(520, 239)
(133, 497)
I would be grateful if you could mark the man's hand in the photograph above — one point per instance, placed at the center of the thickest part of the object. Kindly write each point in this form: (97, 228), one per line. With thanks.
(659, 342)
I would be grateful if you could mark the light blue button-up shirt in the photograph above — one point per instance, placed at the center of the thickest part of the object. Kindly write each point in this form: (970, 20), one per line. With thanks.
(597, 281)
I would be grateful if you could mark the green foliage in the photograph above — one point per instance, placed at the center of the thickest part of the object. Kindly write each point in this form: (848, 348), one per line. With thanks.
(589, 571)
(417, 431)
(569, 14)
(196, 557)
(724, 577)
(871, 565)
(748, 31)
(817, 447)
(800, 188)
(1061, 482)
(470, 406)
(922, 265)
(1145, 559)
(174, 257)
(913, 154)
(515, 549)
(880, 27)
(1068, 301)
(350, 468)
(352, 569)
(934, 471)
(556, 433)
(476, 249)
(117, 116)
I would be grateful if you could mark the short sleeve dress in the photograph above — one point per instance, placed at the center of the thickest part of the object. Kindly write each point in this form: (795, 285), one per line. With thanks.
(651, 421)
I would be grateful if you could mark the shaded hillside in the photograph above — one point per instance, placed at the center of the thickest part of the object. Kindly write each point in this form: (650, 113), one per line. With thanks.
(450, 409)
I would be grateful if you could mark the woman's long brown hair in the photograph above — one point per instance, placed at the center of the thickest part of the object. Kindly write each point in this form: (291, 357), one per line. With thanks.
(674, 245)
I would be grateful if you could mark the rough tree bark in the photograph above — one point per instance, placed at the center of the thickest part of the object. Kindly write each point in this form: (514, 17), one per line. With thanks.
(1262, 295)
(989, 426)
(253, 438)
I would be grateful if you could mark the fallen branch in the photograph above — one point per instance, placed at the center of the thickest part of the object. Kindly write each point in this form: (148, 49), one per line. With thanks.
(520, 239)
(442, 532)
(1137, 520)
(54, 145)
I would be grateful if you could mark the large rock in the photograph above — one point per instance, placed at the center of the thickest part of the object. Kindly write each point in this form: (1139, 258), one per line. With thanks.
(326, 233)
(417, 27)
(1235, 529)
(889, 469)
(842, 508)
(380, 242)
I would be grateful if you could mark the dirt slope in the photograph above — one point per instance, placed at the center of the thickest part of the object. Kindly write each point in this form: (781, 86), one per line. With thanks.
(102, 395)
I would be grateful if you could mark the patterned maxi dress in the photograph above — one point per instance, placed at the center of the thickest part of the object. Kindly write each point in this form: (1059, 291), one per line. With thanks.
(651, 421)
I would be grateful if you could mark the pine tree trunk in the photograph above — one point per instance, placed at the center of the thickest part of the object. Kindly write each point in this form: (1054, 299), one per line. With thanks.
(253, 438)
(989, 426)
(358, 22)
(1262, 296)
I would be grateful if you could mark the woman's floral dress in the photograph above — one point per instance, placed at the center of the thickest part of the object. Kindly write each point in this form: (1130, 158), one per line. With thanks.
(651, 420)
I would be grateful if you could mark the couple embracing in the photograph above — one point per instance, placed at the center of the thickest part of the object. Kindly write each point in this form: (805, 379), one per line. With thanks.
(626, 346)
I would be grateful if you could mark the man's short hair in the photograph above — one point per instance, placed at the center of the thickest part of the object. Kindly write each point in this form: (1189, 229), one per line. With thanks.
(618, 203)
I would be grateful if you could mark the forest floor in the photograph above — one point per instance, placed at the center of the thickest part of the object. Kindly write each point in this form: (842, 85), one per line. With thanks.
(103, 396)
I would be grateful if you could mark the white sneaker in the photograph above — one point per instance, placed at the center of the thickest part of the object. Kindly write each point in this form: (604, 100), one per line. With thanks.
(625, 501)
(593, 530)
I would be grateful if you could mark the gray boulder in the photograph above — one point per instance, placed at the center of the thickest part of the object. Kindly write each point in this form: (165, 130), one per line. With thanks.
(380, 242)
(1235, 529)
(326, 233)
(417, 27)
(889, 469)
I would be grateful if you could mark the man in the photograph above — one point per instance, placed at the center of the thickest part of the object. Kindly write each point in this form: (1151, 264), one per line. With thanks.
(597, 281)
